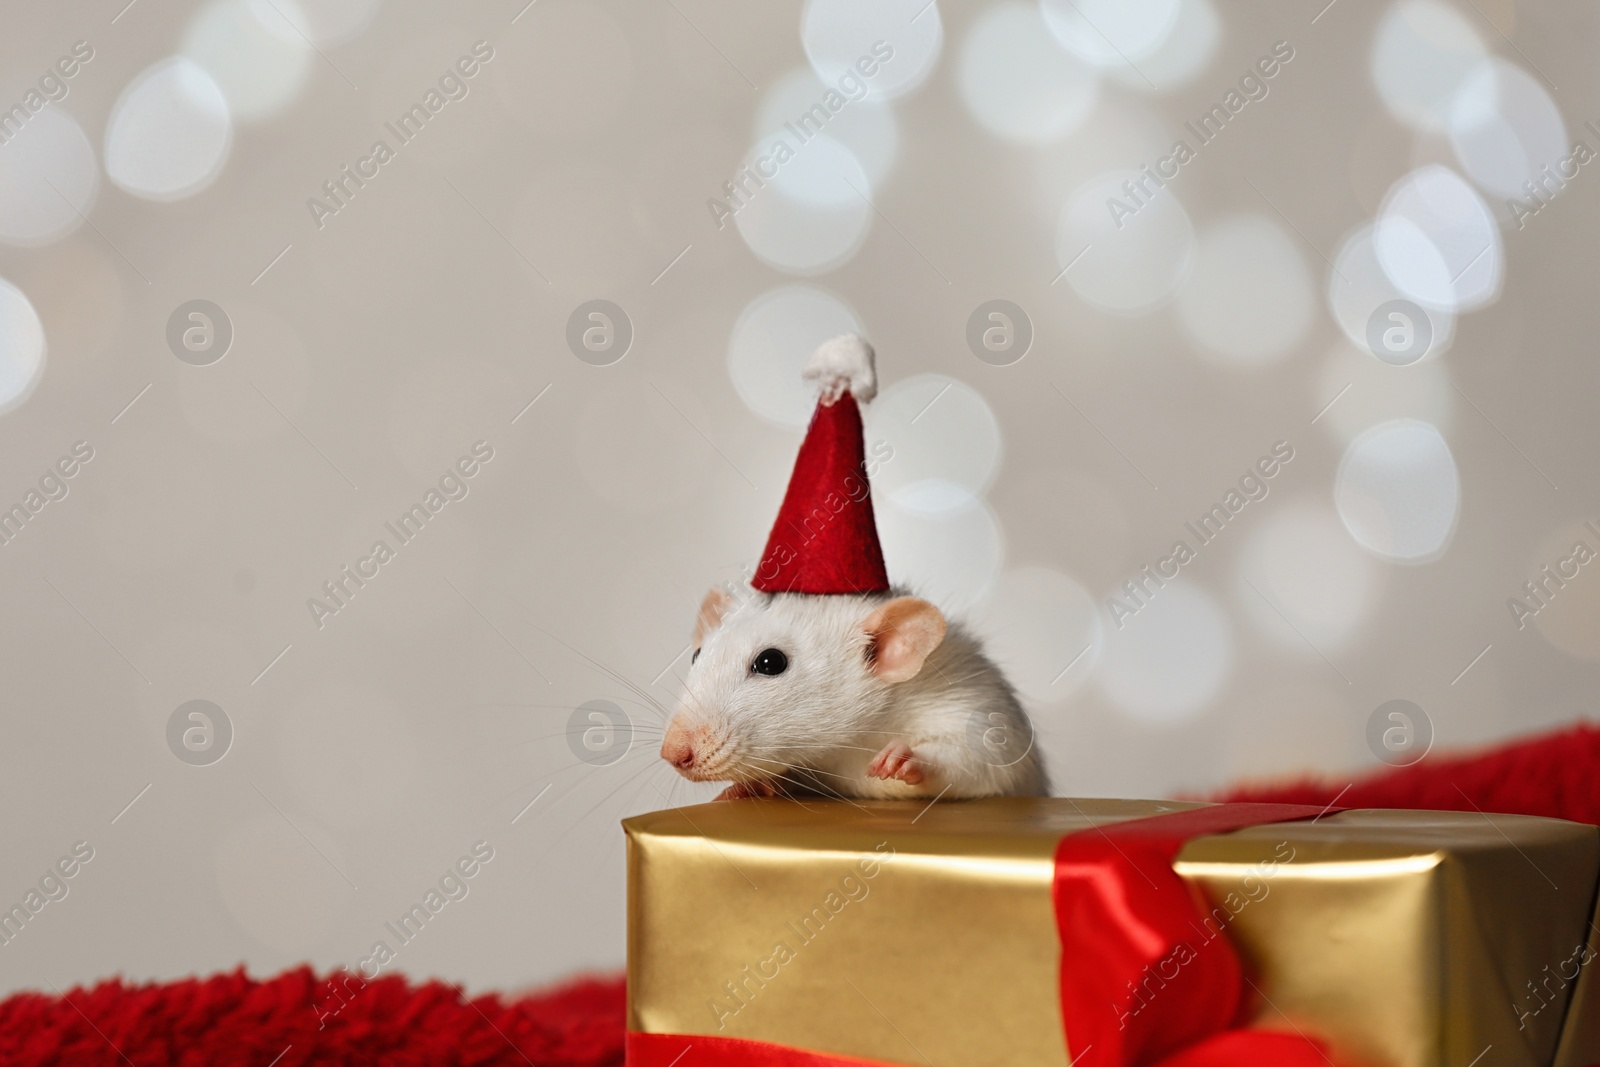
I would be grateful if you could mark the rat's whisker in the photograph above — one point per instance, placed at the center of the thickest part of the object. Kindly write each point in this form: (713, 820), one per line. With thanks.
(978, 673)
(834, 794)
(509, 743)
(648, 766)
(835, 746)
(550, 776)
(574, 766)
(790, 796)
(643, 694)
(611, 696)
(616, 842)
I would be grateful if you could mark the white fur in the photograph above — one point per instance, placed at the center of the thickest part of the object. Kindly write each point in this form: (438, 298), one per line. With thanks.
(843, 364)
(819, 724)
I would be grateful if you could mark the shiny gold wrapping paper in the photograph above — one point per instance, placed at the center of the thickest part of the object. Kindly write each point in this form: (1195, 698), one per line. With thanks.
(1580, 1039)
(1407, 939)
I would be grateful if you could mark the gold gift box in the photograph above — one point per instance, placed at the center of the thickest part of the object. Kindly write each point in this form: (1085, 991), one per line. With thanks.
(911, 934)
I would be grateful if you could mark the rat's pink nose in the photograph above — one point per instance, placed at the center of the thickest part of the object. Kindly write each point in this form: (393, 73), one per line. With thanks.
(676, 748)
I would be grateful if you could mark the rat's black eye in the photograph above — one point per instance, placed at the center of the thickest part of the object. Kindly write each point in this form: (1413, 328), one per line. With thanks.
(769, 661)
(694, 657)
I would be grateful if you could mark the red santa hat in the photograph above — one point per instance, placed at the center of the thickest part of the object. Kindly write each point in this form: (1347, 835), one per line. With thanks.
(826, 540)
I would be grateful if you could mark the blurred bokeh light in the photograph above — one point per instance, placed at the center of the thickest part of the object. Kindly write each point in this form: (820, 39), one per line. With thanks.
(169, 135)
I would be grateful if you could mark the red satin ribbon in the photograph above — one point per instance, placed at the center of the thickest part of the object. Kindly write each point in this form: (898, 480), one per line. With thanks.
(690, 1050)
(1145, 981)
(1236, 1048)
(1122, 914)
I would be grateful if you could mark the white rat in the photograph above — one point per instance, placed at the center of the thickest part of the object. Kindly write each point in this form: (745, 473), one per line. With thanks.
(869, 695)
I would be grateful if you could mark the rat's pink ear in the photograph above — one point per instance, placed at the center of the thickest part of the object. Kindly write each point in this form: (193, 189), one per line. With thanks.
(712, 610)
(904, 633)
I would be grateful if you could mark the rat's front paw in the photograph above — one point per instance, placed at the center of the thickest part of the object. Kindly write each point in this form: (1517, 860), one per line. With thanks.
(897, 762)
(744, 790)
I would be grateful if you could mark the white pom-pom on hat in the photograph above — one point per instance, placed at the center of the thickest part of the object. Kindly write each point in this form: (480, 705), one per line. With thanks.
(840, 365)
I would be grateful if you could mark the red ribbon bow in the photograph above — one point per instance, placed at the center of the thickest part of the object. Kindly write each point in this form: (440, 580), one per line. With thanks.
(1145, 982)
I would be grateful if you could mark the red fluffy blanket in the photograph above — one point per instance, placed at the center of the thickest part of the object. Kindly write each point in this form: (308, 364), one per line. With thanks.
(230, 1020)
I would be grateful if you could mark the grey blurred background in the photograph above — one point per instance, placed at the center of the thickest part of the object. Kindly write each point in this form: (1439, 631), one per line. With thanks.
(1346, 266)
